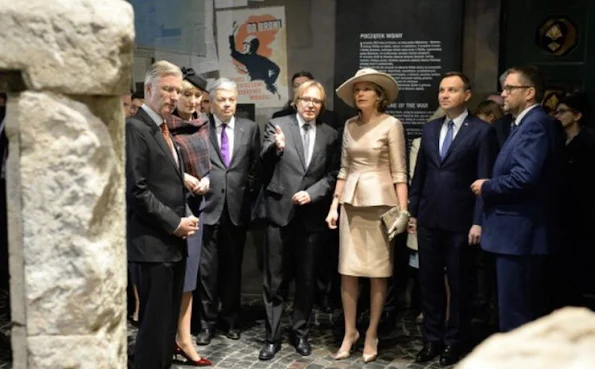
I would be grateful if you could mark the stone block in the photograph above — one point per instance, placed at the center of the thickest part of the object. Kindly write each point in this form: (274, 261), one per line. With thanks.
(73, 223)
(563, 339)
(69, 46)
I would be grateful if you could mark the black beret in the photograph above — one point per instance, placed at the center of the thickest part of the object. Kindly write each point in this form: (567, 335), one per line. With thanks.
(196, 80)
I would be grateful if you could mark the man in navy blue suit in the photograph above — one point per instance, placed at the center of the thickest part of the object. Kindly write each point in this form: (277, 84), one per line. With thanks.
(447, 216)
(520, 201)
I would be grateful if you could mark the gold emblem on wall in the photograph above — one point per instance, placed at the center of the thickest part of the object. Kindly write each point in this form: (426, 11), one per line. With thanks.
(558, 36)
(551, 99)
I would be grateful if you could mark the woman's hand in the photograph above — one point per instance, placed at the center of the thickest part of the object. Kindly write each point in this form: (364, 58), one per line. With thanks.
(191, 182)
(331, 218)
(203, 186)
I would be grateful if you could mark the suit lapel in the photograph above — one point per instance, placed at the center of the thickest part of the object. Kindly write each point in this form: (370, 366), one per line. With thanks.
(294, 129)
(238, 133)
(213, 138)
(158, 136)
(434, 133)
(460, 137)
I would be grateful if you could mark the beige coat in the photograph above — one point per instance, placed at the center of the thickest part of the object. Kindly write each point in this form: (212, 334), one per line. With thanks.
(370, 175)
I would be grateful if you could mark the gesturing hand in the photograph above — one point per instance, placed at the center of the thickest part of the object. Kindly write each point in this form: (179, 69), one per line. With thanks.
(279, 139)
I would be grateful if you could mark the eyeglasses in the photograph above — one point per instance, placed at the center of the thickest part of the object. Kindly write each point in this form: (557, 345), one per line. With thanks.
(313, 101)
(509, 89)
(561, 111)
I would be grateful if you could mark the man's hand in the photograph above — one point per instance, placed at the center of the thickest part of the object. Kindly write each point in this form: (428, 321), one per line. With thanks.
(412, 227)
(203, 186)
(301, 198)
(476, 186)
(474, 234)
(331, 218)
(187, 227)
(191, 182)
(279, 139)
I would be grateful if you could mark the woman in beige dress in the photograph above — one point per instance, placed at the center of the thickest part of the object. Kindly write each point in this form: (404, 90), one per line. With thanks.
(372, 179)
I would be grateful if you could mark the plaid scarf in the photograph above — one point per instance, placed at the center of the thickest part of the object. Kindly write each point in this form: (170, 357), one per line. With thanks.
(192, 138)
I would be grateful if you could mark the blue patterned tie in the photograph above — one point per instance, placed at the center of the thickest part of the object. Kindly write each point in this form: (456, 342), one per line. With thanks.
(447, 139)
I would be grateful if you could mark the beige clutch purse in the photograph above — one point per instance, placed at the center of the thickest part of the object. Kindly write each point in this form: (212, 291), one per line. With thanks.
(395, 221)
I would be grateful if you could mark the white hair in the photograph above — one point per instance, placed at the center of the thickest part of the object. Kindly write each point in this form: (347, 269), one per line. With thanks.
(222, 84)
(161, 69)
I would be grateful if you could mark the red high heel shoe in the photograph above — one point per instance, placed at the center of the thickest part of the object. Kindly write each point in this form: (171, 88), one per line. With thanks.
(201, 362)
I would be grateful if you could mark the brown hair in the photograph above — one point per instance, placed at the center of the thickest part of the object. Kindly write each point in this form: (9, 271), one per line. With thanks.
(383, 103)
(488, 107)
(463, 77)
(531, 76)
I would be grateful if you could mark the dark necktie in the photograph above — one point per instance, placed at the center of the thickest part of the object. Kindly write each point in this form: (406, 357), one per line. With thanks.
(224, 145)
(513, 126)
(306, 141)
(447, 139)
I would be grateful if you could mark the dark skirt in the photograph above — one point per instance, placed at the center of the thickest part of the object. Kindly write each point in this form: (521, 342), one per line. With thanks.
(194, 246)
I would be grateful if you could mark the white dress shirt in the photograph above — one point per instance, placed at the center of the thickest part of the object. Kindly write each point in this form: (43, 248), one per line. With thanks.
(228, 131)
(522, 115)
(458, 122)
(311, 136)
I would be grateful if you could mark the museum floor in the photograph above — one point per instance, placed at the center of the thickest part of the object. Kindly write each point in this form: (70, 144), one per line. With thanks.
(397, 348)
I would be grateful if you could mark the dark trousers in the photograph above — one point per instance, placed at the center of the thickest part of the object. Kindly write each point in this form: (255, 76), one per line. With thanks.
(290, 252)
(439, 250)
(160, 294)
(220, 273)
(572, 273)
(485, 303)
(520, 289)
(327, 277)
(397, 283)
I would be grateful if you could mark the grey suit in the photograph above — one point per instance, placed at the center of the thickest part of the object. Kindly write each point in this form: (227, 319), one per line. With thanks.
(225, 216)
(294, 232)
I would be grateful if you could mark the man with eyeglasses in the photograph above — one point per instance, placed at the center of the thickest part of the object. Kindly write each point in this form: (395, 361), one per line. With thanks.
(300, 160)
(520, 200)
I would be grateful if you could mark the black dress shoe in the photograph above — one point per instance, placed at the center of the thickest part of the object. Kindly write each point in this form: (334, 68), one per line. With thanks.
(325, 305)
(204, 337)
(233, 333)
(302, 345)
(450, 355)
(429, 352)
(268, 351)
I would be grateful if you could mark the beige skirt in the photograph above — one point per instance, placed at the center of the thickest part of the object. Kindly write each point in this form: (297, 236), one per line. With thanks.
(364, 249)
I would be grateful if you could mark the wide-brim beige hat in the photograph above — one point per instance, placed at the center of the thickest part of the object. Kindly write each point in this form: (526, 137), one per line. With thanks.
(385, 81)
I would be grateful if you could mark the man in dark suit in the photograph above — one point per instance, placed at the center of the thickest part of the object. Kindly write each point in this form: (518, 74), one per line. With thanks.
(520, 201)
(157, 217)
(301, 159)
(447, 216)
(234, 176)
(327, 281)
